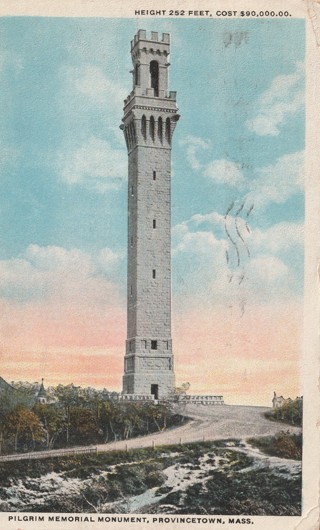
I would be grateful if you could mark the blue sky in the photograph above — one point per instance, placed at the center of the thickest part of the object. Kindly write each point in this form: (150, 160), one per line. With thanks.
(240, 141)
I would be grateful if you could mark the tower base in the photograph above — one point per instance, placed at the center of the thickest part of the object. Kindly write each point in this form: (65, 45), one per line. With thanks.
(159, 384)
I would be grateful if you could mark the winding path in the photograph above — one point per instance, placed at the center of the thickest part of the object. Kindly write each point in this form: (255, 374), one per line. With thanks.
(206, 423)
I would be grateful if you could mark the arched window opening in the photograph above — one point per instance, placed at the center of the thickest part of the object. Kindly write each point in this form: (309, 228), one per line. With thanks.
(134, 132)
(168, 130)
(136, 75)
(152, 127)
(126, 138)
(160, 129)
(144, 127)
(129, 136)
(154, 76)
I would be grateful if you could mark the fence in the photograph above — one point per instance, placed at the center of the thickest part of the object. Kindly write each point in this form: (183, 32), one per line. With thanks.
(189, 399)
(124, 446)
(49, 454)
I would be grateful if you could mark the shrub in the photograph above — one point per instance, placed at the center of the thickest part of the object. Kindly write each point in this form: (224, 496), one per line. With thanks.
(283, 444)
(288, 413)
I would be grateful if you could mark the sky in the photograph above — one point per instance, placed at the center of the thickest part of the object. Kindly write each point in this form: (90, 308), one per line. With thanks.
(237, 202)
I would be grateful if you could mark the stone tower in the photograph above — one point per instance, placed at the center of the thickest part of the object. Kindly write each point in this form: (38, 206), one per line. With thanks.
(150, 117)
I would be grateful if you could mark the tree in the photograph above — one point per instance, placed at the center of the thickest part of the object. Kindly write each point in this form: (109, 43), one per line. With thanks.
(83, 424)
(182, 390)
(69, 396)
(158, 415)
(109, 420)
(53, 422)
(23, 425)
(290, 412)
(131, 417)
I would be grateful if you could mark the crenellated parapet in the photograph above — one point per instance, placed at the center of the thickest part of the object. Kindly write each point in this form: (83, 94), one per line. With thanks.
(141, 35)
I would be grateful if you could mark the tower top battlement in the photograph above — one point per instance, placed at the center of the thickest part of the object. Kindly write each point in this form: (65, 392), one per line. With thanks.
(150, 59)
(141, 35)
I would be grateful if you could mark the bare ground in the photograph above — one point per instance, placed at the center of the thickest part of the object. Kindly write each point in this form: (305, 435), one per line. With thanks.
(210, 423)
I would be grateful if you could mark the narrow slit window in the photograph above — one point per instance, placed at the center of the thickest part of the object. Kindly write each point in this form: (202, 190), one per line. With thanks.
(160, 128)
(153, 273)
(154, 345)
(168, 130)
(136, 75)
(152, 127)
(144, 127)
(154, 223)
(154, 175)
(131, 241)
(132, 191)
(131, 290)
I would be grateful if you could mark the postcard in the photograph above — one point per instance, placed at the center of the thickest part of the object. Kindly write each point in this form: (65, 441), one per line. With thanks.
(159, 265)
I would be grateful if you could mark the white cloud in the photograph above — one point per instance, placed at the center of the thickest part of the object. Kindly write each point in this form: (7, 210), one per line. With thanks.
(224, 172)
(278, 238)
(202, 242)
(284, 98)
(206, 266)
(53, 258)
(221, 171)
(273, 183)
(213, 217)
(92, 82)
(267, 269)
(194, 145)
(96, 165)
(91, 100)
(277, 182)
(108, 257)
(55, 273)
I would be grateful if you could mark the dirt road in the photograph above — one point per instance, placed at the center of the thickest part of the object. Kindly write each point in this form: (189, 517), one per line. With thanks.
(206, 423)
(210, 423)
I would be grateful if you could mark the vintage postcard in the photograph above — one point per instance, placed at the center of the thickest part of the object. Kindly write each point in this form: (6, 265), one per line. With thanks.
(159, 265)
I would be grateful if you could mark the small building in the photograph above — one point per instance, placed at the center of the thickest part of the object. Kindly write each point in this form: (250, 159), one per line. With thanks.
(279, 401)
(43, 397)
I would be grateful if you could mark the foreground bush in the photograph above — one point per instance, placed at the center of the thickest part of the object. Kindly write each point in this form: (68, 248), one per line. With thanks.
(283, 444)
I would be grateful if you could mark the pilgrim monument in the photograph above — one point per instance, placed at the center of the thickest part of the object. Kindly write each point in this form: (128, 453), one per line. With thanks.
(150, 117)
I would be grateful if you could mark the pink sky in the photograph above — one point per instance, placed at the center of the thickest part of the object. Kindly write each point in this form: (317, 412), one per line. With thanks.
(218, 351)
